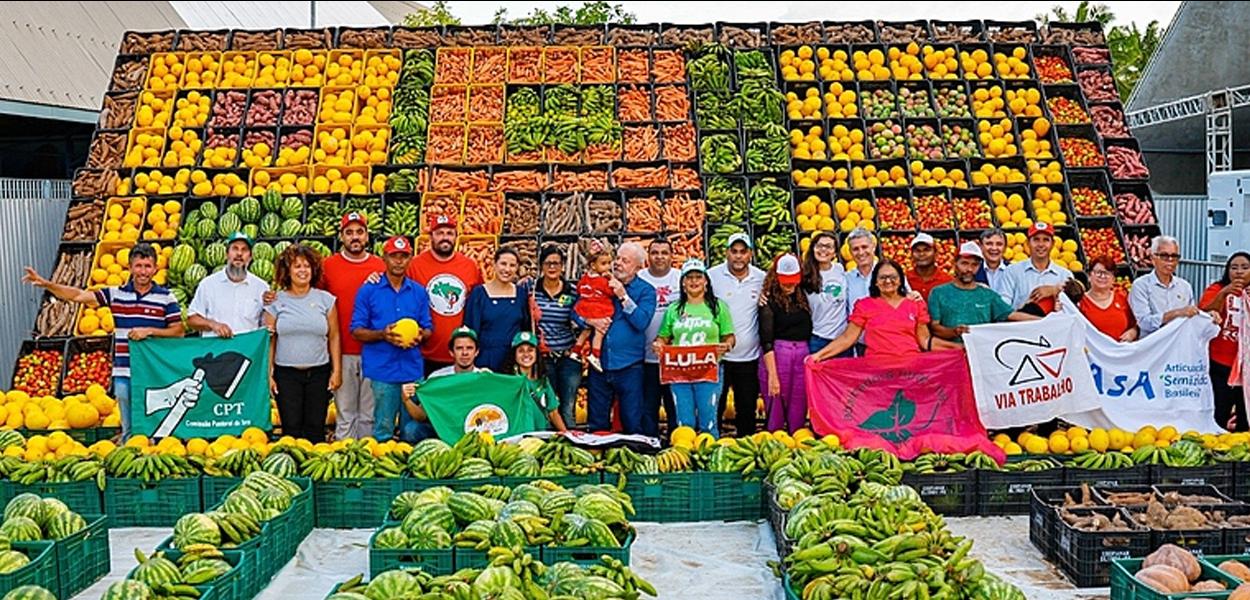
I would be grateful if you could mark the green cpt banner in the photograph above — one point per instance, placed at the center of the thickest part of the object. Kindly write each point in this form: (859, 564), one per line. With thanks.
(199, 387)
(501, 405)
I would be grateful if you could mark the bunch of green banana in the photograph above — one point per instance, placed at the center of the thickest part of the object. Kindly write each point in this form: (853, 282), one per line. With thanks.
(769, 245)
(598, 100)
(236, 528)
(1238, 453)
(760, 103)
(562, 100)
(61, 470)
(526, 135)
(370, 207)
(237, 462)
(1187, 453)
(1101, 461)
(621, 460)
(523, 104)
(323, 218)
(752, 65)
(929, 464)
(602, 129)
(436, 465)
(770, 151)
(523, 565)
(618, 572)
(355, 461)
(575, 460)
(401, 218)
(410, 113)
(770, 206)
(726, 201)
(1150, 454)
(718, 154)
(709, 71)
(716, 110)
(1033, 465)
(418, 69)
(720, 239)
(403, 180)
(130, 463)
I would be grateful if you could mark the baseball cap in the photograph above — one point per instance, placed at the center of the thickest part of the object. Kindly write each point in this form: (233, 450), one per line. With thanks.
(397, 243)
(691, 265)
(788, 270)
(740, 237)
(461, 332)
(524, 337)
(922, 238)
(239, 236)
(354, 217)
(1040, 227)
(438, 221)
(971, 249)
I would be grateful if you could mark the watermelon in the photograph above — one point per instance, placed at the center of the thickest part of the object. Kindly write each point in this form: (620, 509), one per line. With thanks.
(25, 505)
(598, 506)
(51, 508)
(209, 211)
(269, 225)
(11, 437)
(391, 538)
(244, 502)
(292, 208)
(404, 503)
(507, 534)
(290, 228)
(524, 466)
(214, 255)
(21, 529)
(258, 481)
(127, 589)
(65, 524)
(469, 507)
(263, 251)
(192, 277)
(529, 493)
(5, 544)
(29, 592)
(12, 560)
(557, 502)
(429, 446)
(250, 230)
(475, 468)
(271, 202)
(248, 209)
(553, 469)
(319, 248)
(275, 500)
(180, 294)
(206, 229)
(280, 464)
(156, 570)
(195, 528)
(228, 224)
(393, 584)
(438, 494)
(262, 269)
(519, 508)
(281, 247)
(427, 536)
(429, 514)
(181, 258)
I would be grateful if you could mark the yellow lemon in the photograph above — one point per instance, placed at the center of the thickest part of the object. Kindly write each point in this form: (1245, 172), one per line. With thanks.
(1099, 439)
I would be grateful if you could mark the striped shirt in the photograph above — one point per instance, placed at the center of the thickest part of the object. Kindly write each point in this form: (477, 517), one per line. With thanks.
(556, 324)
(157, 309)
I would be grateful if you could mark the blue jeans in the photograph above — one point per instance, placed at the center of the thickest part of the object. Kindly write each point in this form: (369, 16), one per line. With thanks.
(387, 403)
(623, 384)
(817, 343)
(414, 431)
(652, 394)
(121, 389)
(696, 405)
(565, 375)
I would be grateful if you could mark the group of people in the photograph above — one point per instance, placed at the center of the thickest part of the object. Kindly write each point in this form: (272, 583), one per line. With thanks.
(335, 331)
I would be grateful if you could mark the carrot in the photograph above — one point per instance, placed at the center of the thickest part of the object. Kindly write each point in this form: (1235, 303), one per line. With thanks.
(440, 203)
(635, 105)
(569, 180)
(631, 66)
(641, 143)
(671, 103)
(642, 177)
(445, 144)
(601, 153)
(555, 155)
(679, 144)
(447, 104)
(452, 65)
(525, 64)
(525, 158)
(527, 180)
(483, 213)
(485, 145)
(686, 178)
(668, 66)
(490, 64)
(560, 64)
(486, 103)
(480, 250)
(598, 64)
(644, 215)
(681, 213)
(447, 180)
(686, 245)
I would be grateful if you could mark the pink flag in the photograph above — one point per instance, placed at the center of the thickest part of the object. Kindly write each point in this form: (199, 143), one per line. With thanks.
(908, 405)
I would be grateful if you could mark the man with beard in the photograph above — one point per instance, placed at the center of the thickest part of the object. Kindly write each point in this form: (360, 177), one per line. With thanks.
(448, 276)
(925, 275)
(667, 283)
(956, 306)
(231, 300)
(345, 272)
(141, 309)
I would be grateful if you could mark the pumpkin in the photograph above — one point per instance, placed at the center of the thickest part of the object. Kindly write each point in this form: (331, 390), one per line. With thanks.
(1241, 593)
(1209, 585)
(1164, 579)
(1176, 557)
(1236, 569)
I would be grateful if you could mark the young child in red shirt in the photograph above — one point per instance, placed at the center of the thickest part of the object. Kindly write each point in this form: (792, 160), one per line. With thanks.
(594, 302)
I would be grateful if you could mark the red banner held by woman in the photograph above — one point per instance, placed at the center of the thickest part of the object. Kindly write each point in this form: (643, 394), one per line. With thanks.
(907, 405)
(688, 364)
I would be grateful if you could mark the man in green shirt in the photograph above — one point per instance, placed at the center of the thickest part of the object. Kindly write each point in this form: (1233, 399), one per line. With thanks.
(962, 303)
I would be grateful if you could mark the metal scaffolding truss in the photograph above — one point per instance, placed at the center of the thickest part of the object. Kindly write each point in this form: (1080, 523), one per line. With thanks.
(1217, 106)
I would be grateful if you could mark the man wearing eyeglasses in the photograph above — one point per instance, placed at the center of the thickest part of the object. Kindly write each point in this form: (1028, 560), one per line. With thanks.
(1160, 296)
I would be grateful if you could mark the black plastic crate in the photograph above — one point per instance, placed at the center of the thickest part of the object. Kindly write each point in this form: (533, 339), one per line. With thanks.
(1241, 481)
(1194, 490)
(1219, 475)
(1135, 475)
(1043, 500)
(949, 494)
(1086, 556)
(1009, 492)
(1236, 536)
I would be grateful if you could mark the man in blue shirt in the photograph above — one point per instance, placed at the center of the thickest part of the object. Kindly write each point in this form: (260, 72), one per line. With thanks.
(387, 358)
(624, 349)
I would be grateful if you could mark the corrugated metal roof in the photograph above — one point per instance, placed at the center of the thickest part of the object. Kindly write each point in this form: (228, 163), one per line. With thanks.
(61, 53)
(261, 15)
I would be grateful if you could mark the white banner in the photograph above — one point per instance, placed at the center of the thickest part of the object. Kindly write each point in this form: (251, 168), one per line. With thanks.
(1030, 372)
(1163, 379)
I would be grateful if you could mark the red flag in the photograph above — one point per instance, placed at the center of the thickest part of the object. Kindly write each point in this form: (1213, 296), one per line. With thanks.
(907, 405)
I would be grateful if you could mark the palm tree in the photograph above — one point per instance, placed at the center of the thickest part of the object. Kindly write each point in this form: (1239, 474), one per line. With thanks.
(1085, 12)
(1131, 49)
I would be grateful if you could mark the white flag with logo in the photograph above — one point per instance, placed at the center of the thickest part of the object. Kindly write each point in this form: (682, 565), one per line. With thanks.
(1030, 372)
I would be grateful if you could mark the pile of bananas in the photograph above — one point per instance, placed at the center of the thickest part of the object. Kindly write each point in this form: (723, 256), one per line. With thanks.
(1099, 461)
(1032, 465)
(401, 217)
(410, 116)
(354, 461)
(131, 463)
(1238, 453)
(237, 462)
(618, 572)
(61, 470)
(404, 180)
(931, 464)
(820, 470)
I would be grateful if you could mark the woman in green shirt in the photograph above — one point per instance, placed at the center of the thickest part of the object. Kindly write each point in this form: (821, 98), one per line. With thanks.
(697, 319)
(524, 361)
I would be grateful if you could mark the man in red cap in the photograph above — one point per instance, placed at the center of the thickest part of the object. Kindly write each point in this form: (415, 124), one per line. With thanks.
(1032, 285)
(448, 276)
(345, 272)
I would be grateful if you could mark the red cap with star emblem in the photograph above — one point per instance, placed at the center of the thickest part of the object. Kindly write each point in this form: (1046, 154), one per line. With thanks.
(398, 244)
(1041, 228)
(353, 217)
(438, 221)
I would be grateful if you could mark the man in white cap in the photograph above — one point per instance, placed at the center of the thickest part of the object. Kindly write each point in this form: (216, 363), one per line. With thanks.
(1032, 285)
(925, 275)
(962, 303)
(737, 282)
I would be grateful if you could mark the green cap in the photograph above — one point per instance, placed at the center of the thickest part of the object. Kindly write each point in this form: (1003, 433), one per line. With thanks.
(524, 337)
(239, 236)
(460, 332)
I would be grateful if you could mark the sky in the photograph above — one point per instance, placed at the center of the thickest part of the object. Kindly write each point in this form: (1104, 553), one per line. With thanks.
(704, 12)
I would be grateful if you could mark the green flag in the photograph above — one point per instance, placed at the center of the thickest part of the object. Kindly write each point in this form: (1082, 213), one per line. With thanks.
(199, 387)
(501, 405)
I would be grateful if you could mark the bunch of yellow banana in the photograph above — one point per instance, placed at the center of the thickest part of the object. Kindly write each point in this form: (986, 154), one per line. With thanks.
(674, 459)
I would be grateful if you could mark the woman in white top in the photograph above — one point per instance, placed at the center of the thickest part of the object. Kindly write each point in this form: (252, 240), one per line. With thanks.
(305, 356)
(824, 282)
